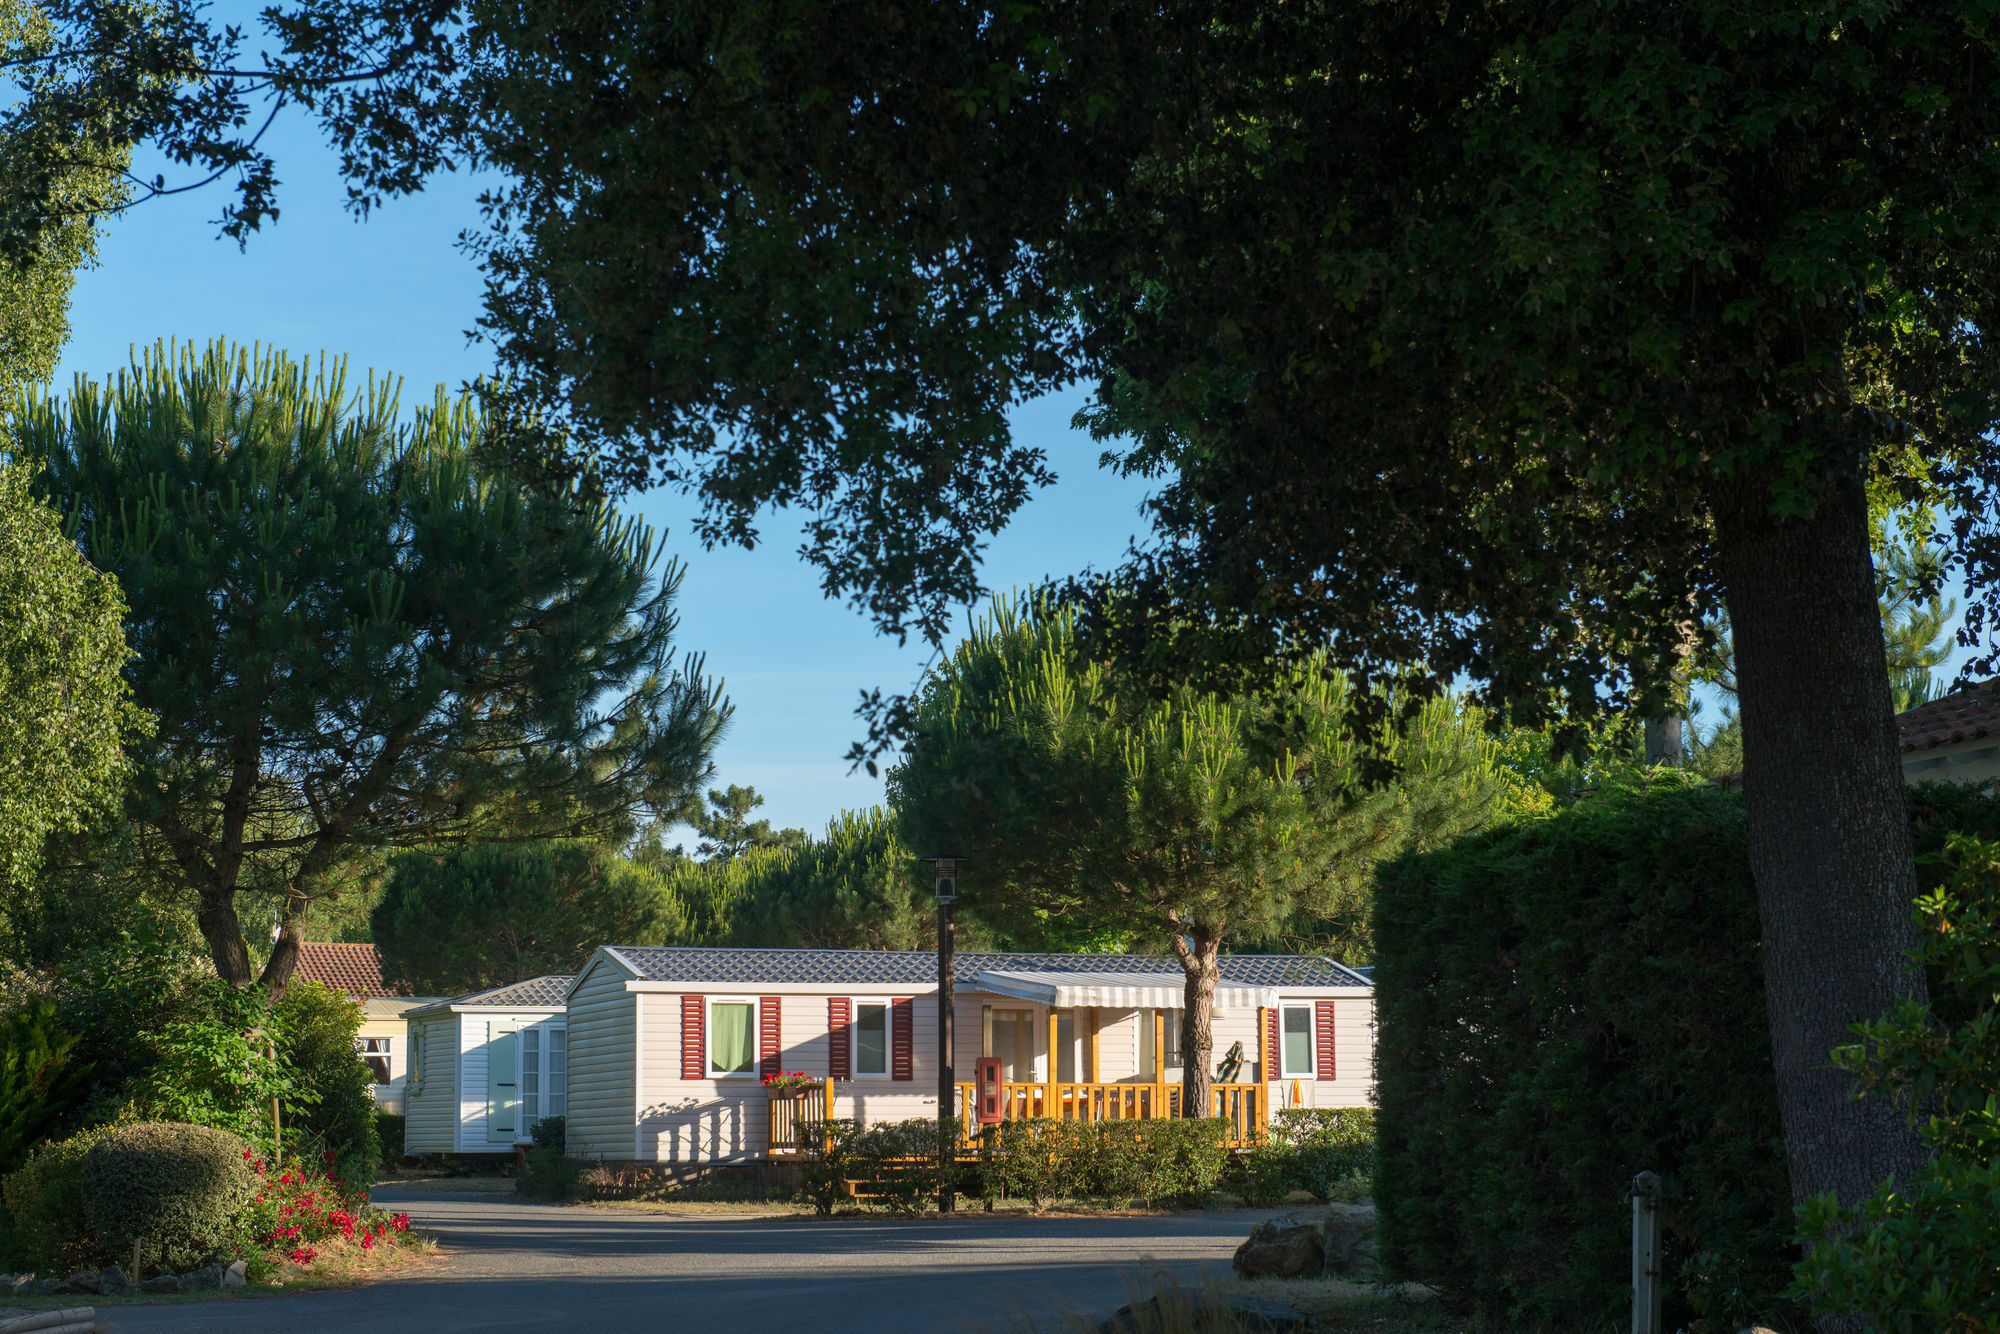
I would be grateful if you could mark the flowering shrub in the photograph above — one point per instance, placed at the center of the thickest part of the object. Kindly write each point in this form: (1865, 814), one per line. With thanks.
(791, 1079)
(297, 1211)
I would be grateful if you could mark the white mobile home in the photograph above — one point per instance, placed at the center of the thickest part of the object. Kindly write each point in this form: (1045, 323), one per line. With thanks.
(485, 1067)
(669, 1046)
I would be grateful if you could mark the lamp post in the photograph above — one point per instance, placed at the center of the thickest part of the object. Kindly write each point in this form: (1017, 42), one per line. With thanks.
(945, 870)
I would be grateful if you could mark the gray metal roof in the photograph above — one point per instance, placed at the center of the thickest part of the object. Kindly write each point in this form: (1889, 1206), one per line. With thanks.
(544, 992)
(915, 968)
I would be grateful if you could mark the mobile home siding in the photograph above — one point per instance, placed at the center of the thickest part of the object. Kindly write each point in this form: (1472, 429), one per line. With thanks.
(430, 1123)
(602, 1017)
(723, 1120)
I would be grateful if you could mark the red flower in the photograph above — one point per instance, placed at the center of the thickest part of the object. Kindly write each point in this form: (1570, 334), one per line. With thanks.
(304, 1255)
(327, 1156)
(401, 1222)
(367, 1243)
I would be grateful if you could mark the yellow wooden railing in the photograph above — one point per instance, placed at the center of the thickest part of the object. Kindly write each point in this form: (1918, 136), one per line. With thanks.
(1244, 1106)
(794, 1111)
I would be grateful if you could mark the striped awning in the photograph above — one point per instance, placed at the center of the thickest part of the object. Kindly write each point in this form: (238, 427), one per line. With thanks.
(1163, 991)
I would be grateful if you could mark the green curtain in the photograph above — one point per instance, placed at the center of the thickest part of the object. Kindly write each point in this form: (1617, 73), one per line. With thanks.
(729, 1047)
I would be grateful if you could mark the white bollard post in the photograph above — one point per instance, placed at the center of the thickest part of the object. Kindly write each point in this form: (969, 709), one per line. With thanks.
(1646, 1253)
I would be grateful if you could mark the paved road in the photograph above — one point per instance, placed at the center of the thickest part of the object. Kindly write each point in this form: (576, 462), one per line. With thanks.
(526, 1268)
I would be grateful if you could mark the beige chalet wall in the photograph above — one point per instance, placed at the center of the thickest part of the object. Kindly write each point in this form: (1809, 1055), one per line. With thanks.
(431, 1112)
(601, 1022)
(719, 1120)
(1354, 1060)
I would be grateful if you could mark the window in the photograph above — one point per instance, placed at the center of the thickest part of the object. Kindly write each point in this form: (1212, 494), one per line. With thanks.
(871, 1038)
(375, 1055)
(416, 1079)
(531, 1077)
(1173, 1037)
(557, 1074)
(732, 1037)
(1297, 1040)
(1014, 1043)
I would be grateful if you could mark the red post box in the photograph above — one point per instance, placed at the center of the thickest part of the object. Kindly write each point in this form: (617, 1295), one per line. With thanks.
(987, 1080)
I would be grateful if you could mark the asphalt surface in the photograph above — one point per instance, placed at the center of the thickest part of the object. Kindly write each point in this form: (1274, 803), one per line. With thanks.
(526, 1268)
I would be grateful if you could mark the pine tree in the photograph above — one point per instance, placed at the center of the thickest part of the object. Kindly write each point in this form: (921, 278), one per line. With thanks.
(1182, 820)
(356, 634)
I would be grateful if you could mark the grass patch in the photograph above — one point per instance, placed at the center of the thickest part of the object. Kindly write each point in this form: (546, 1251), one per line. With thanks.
(341, 1264)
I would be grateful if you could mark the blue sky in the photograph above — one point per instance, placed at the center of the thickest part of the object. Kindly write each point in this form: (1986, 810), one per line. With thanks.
(395, 294)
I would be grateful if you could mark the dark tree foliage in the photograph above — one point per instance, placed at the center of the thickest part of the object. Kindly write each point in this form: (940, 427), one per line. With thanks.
(356, 634)
(460, 920)
(1512, 340)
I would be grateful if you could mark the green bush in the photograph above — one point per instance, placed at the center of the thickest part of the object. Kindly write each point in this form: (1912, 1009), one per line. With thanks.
(550, 1173)
(180, 1190)
(1926, 1255)
(899, 1161)
(1161, 1162)
(1033, 1159)
(334, 1093)
(50, 1232)
(1562, 1004)
(41, 1082)
(389, 1131)
(551, 1132)
(828, 1162)
(1327, 1152)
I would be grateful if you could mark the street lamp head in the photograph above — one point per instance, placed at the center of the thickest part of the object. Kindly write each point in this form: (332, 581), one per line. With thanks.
(945, 869)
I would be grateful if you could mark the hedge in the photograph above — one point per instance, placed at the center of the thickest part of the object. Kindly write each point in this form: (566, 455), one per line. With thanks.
(178, 1190)
(48, 1230)
(1564, 1003)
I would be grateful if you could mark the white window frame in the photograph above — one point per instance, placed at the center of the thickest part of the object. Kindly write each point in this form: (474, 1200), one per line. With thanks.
(541, 1033)
(708, 1036)
(548, 1071)
(888, 1070)
(1312, 1041)
(364, 1048)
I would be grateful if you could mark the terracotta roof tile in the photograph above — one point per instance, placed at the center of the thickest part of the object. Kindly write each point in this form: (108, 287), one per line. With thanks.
(354, 969)
(1963, 715)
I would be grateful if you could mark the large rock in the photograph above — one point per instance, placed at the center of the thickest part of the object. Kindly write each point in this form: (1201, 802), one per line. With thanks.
(81, 1281)
(111, 1282)
(161, 1283)
(1337, 1241)
(1350, 1240)
(209, 1276)
(237, 1274)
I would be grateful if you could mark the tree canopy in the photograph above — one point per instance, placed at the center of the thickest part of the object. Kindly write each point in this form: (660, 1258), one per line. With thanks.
(356, 634)
(66, 711)
(464, 919)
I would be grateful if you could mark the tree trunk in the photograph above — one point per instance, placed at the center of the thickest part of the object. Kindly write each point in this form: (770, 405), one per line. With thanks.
(284, 960)
(224, 934)
(1829, 838)
(1198, 956)
(1663, 742)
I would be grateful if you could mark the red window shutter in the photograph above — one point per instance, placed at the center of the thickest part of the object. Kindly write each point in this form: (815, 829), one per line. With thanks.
(694, 1038)
(1274, 1025)
(769, 1008)
(1323, 1038)
(839, 1037)
(902, 1038)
